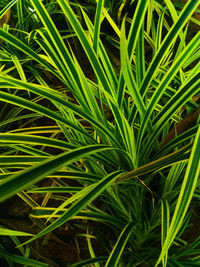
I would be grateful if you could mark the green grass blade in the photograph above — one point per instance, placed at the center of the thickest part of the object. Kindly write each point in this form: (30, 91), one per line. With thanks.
(140, 57)
(128, 75)
(21, 260)
(28, 150)
(59, 98)
(188, 186)
(132, 41)
(166, 44)
(102, 54)
(19, 68)
(10, 98)
(23, 159)
(181, 154)
(12, 40)
(174, 15)
(165, 226)
(178, 140)
(177, 64)
(17, 182)
(5, 231)
(89, 262)
(97, 24)
(80, 204)
(91, 214)
(189, 89)
(120, 245)
(186, 91)
(55, 40)
(68, 174)
(63, 189)
(136, 26)
(7, 7)
(34, 140)
(99, 72)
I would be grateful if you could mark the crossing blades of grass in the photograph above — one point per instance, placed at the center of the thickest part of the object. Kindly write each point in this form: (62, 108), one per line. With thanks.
(177, 64)
(181, 154)
(166, 44)
(119, 246)
(185, 196)
(88, 197)
(17, 182)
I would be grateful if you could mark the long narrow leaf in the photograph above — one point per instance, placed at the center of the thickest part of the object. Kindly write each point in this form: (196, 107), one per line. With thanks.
(119, 246)
(189, 184)
(32, 175)
(80, 204)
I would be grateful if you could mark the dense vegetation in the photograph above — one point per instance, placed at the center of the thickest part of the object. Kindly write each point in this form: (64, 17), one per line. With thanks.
(100, 133)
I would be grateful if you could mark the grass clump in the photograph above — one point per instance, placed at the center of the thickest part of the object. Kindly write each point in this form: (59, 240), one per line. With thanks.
(95, 144)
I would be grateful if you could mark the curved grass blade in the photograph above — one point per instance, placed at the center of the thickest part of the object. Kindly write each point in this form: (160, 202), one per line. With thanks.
(132, 42)
(68, 174)
(29, 150)
(181, 154)
(26, 159)
(185, 196)
(80, 204)
(97, 24)
(7, 7)
(90, 214)
(63, 189)
(182, 138)
(12, 40)
(89, 262)
(81, 193)
(37, 129)
(21, 260)
(59, 98)
(99, 72)
(19, 161)
(19, 68)
(128, 75)
(177, 64)
(34, 140)
(5, 231)
(10, 120)
(166, 44)
(102, 54)
(6, 97)
(120, 245)
(56, 45)
(179, 99)
(17, 182)
(164, 226)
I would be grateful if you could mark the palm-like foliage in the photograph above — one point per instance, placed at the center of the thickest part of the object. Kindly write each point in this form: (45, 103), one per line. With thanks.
(143, 189)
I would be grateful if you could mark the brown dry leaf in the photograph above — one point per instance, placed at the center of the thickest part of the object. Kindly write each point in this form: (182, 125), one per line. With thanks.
(5, 18)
